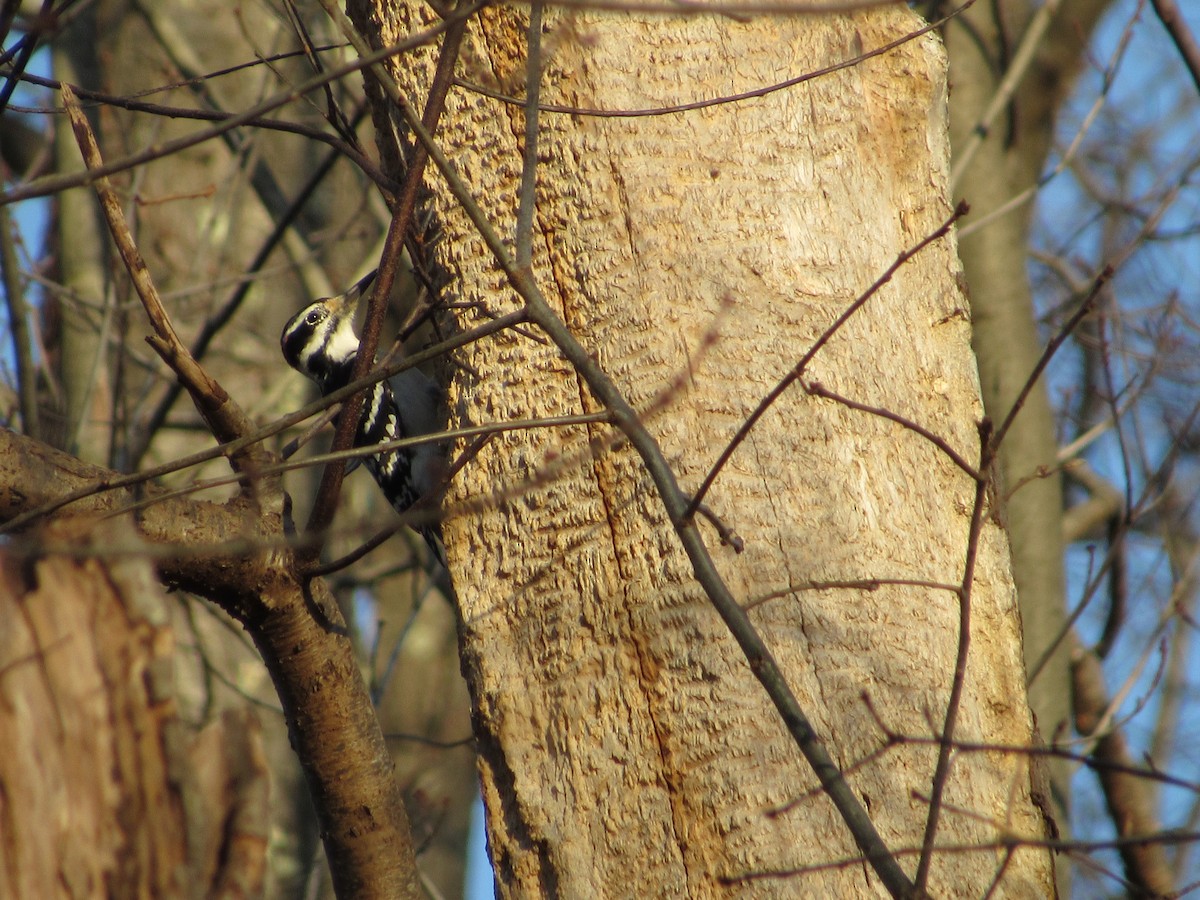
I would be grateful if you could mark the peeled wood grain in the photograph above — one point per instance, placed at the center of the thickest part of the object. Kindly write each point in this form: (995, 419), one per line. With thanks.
(231, 553)
(94, 771)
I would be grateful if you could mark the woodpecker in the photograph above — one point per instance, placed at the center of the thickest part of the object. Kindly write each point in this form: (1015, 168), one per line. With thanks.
(319, 341)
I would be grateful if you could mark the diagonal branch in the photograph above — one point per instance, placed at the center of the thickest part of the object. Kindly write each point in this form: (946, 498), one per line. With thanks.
(1185, 42)
(325, 504)
(223, 416)
(797, 371)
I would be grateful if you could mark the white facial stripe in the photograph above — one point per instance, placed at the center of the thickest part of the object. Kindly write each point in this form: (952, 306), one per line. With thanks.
(343, 343)
(334, 346)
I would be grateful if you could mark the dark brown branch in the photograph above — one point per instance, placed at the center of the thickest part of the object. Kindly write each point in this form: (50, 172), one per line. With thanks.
(1051, 348)
(296, 627)
(1185, 42)
(816, 389)
(325, 504)
(1129, 798)
(941, 771)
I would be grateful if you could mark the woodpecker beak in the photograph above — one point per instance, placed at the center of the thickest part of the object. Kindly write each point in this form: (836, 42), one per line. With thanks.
(344, 306)
(352, 296)
(320, 338)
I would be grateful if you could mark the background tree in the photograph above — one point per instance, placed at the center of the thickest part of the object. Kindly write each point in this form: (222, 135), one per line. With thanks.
(238, 232)
(1014, 67)
(577, 492)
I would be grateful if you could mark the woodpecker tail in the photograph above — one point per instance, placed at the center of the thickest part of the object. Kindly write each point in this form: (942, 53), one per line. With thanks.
(433, 537)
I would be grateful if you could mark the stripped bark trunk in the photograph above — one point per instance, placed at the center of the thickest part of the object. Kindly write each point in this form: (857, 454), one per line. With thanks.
(623, 739)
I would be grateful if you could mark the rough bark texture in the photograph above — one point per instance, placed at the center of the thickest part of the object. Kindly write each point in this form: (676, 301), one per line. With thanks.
(233, 554)
(103, 790)
(624, 741)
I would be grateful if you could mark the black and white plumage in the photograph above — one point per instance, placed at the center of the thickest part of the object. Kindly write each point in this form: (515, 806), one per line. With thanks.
(319, 341)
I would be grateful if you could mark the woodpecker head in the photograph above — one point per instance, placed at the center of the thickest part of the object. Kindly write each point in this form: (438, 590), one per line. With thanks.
(319, 341)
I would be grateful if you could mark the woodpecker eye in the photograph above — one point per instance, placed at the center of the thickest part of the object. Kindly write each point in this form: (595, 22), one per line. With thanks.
(313, 317)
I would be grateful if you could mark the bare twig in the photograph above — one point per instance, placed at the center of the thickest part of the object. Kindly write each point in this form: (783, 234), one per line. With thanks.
(816, 389)
(715, 101)
(1057, 341)
(417, 508)
(985, 849)
(797, 371)
(222, 415)
(1185, 42)
(941, 770)
(346, 149)
(331, 481)
(55, 183)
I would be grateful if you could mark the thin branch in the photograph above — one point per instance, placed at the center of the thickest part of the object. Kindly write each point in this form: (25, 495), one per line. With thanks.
(212, 115)
(1089, 760)
(417, 508)
(325, 504)
(1068, 156)
(222, 415)
(855, 584)
(755, 93)
(797, 371)
(736, 11)
(1051, 348)
(54, 183)
(816, 389)
(941, 772)
(43, 22)
(1185, 42)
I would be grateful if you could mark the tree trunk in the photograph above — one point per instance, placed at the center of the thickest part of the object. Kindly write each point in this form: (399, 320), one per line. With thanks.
(199, 218)
(624, 740)
(105, 793)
